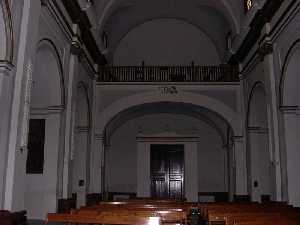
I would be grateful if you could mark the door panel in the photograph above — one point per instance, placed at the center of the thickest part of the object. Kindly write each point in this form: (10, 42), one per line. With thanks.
(167, 173)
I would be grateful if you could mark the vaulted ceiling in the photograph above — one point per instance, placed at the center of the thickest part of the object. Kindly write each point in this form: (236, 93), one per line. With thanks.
(216, 18)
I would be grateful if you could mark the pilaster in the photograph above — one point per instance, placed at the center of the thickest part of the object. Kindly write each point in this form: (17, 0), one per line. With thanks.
(266, 53)
(6, 71)
(16, 160)
(70, 118)
(291, 115)
(97, 162)
(240, 165)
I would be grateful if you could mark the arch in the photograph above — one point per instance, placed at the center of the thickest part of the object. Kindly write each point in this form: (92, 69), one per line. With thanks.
(6, 32)
(164, 107)
(289, 101)
(81, 143)
(258, 151)
(183, 19)
(285, 73)
(185, 97)
(46, 104)
(258, 87)
(108, 10)
(47, 52)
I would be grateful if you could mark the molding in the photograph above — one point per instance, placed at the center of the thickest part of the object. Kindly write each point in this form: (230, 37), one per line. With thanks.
(47, 111)
(265, 49)
(6, 67)
(66, 26)
(167, 137)
(287, 15)
(80, 17)
(262, 17)
(258, 130)
(294, 109)
(285, 18)
(237, 139)
(82, 129)
(99, 137)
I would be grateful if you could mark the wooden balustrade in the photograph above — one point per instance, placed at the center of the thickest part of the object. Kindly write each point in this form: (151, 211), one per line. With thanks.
(222, 73)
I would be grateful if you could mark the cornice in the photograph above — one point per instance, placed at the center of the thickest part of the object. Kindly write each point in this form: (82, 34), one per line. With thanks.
(80, 17)
(262, 17)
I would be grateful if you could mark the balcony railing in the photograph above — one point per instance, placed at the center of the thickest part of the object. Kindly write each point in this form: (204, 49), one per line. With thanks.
(223, 73)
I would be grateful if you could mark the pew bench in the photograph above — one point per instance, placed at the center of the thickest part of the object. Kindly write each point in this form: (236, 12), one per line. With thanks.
(167, 215)
(13, 218)
(102, 218)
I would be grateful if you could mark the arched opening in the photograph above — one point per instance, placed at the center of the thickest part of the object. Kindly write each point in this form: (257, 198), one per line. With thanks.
(44, 139)
(207, 151)
(290, 103)
(81, 145)
(258, 156)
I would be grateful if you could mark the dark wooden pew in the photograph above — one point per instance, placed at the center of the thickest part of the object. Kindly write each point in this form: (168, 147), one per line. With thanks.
(13, 218)
(167, 214)
(102, 218)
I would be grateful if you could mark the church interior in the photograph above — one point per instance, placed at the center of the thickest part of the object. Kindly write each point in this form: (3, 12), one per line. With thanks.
(156, 112)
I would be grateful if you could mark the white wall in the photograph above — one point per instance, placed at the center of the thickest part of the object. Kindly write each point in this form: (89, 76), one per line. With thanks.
(259, 157)
(166, 42)
(46, 86)
(41, 189)
(291, 124)
(121, 161)
(81, 142)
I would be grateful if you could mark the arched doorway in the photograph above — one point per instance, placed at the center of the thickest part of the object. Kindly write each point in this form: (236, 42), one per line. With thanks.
(290, 103)
(258, 156)
(44, 138)
(81, 145)
(212, 154)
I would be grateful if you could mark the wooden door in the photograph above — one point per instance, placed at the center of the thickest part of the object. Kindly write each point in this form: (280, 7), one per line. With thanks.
(167, 171)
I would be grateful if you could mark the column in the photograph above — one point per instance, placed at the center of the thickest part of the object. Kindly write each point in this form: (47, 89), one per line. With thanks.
(69, 119)
(292, 142)
(240, 166)
(267, 55)
(191, 171)
(97, 165)
(259, 163)
(16, 159)
(231, 171)
(80, 164)
(6, 89)
(143, 169)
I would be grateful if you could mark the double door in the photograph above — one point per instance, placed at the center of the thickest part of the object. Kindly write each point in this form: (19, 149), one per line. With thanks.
(167, 171)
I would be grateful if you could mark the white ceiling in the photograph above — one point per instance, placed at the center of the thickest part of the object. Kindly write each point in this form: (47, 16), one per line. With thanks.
(216, 18)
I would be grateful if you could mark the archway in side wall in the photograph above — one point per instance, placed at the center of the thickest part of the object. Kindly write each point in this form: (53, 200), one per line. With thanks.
(260, 176)
(44, 141)
(81, 145)
(290, 105)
